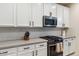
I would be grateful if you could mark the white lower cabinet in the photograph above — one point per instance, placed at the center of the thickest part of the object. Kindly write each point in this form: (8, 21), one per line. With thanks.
(14, 54)
(33, 50)
(65, 45)
(8, 52)
(27, 50)
(41, 51)
(69, 46)
(26, 53)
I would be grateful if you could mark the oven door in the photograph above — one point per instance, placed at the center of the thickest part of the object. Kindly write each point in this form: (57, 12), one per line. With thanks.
(55, 49)
(49, 21)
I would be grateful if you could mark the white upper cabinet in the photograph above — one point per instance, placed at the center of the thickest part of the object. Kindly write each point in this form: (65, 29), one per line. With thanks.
(59, 15)
(62, 16)
(37, 14)
(23, 14)
(50, 7)
(29, 14)
(66, 16)
(6, 14)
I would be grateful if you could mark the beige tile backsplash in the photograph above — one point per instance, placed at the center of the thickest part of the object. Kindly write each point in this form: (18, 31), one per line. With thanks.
(17, 33)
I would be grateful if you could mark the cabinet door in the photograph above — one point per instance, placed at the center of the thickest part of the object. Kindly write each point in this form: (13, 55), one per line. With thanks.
(71, 45)
(66, 17)
(26, 53)
(59, 15)
(50, 7)
(14, 54)
(23, 14)
(37, 14)
(62, 16)
(6, 14)
(65, 45)
(41, 51)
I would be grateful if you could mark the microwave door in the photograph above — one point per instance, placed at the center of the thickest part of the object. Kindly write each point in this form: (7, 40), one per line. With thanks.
(49, 22)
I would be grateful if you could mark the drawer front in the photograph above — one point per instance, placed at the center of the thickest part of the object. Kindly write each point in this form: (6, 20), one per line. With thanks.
(8, 51)
(24, 48)
(11, 55)
(40, 45)
(26, 53)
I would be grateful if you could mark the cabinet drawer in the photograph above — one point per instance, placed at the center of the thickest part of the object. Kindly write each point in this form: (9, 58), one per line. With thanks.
(8, 51)
(26, 53)
(11, 55)
(28, 47)
(41, 45)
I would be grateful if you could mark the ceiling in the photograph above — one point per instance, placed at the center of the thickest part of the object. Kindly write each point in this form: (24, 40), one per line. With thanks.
(65, 4)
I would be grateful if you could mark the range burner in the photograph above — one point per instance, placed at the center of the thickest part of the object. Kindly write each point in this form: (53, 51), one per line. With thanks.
(53, 39)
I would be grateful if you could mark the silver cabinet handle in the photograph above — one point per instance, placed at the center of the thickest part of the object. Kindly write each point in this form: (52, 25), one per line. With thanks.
(26, 48)
(33, 53)
(29, 23)
(4, 52)
(42, 45)
(36, 52)
(32, 23)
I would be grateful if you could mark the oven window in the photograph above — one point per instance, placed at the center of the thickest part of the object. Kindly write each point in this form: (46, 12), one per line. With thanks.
(53, 51)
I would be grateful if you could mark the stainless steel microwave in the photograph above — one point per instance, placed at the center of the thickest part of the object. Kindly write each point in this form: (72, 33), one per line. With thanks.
(49, 21)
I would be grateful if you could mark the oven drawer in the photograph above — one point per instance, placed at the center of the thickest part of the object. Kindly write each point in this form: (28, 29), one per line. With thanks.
(40, 45)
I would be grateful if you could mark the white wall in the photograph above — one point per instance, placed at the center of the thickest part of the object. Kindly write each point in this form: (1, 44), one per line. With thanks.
(74, 23)
(18, 33)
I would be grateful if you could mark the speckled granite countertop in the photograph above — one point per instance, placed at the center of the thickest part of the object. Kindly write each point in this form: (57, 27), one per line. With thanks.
(16, 43)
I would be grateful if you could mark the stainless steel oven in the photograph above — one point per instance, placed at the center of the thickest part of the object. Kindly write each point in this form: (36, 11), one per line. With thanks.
(54, 45)
(49, 21)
